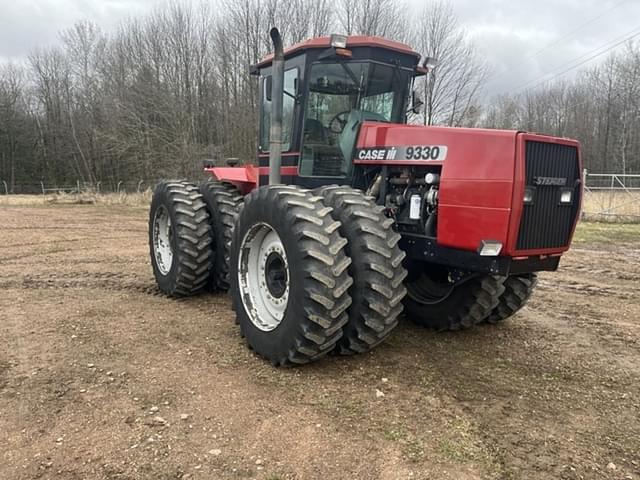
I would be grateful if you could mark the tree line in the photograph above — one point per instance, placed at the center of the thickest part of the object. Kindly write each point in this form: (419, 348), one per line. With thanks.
(600, 107)
(159, 93)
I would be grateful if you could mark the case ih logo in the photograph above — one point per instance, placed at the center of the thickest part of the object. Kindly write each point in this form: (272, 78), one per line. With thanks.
(403, 152)
(553, 181)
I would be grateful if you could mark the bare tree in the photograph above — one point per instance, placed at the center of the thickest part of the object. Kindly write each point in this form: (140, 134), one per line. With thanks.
(452, 89)
(385, 18)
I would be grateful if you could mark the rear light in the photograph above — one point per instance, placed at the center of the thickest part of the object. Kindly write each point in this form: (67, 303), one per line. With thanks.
(489, 248)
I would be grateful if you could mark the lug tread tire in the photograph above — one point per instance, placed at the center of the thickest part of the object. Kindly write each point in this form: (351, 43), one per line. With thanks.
(191, 238)
(376, 268)
(518, 290)
(318, 270)
(468, 305)
(224, 202)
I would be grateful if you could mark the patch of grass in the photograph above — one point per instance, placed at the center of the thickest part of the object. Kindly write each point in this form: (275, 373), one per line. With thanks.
(593, 232)
(411, 446)
(394, 435)
(463, 445)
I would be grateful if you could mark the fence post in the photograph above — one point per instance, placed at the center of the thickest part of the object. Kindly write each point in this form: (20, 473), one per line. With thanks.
(6, 189)
(118, 186)
(140, 184)
(42, 186)
(98, 187)
(584, 192)
(78, 186)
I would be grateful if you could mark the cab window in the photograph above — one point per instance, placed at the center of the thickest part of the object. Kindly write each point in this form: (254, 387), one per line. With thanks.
(340, 95)
(288, 107)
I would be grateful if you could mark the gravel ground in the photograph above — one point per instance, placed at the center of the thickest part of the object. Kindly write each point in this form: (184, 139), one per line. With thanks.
(101, 377)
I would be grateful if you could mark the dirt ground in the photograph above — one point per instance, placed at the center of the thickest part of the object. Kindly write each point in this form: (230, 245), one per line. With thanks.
(101, 377)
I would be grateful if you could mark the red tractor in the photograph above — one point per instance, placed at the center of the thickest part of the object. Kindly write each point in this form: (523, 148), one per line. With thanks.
(352, 215)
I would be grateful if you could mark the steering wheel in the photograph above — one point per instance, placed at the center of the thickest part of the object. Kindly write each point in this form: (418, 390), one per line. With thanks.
(339, 121)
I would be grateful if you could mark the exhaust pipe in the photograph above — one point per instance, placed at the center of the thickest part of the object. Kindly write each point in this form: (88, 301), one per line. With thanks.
(277, 94)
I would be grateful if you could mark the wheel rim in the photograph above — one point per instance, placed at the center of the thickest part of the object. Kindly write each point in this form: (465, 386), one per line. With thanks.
(429, 291)
(263, 276)
(162, 231)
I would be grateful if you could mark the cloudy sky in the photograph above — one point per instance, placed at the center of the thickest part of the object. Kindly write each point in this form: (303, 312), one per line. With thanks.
(522, 39)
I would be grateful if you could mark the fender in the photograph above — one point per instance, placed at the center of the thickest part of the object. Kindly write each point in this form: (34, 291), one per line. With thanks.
(247, 177)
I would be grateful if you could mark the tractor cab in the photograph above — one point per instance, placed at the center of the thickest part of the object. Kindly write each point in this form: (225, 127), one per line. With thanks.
(331, 85)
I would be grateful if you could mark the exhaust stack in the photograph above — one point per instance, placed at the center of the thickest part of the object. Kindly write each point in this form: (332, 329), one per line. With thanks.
(277, 94)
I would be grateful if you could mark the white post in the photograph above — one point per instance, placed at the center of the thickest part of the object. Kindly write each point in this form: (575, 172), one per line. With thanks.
(140, 184)
(6, 189)
(118, 186)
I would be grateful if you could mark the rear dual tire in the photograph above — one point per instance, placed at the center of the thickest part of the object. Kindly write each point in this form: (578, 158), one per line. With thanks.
(179, 238)
(224, 202)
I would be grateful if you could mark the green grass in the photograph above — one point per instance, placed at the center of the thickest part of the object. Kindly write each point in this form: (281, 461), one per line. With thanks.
(594, 232)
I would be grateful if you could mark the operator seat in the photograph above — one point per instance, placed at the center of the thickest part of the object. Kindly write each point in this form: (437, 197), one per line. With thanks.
(314, 131)
(349, 135)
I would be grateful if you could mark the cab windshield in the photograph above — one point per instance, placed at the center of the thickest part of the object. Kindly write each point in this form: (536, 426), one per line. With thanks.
(341, 94)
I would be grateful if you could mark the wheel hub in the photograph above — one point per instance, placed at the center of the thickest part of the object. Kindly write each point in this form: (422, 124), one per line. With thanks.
(263, 274)
(162, 232)
(275, 274)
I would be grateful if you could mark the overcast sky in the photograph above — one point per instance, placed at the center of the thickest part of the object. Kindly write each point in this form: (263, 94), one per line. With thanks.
(521, 39)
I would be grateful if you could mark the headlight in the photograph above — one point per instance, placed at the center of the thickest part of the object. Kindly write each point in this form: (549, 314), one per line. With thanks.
(566, 196)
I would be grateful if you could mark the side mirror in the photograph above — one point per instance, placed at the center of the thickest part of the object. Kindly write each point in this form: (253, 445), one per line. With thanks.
(268, 81)
(416, 103)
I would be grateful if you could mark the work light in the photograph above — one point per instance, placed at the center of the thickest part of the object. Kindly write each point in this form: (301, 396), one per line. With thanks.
(338, 41)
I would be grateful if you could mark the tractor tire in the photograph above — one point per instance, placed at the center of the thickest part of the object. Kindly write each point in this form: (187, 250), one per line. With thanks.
(179, 238)
(290, 292)
(462, 306)
(376, 268)
(223, 201)
(518, 290)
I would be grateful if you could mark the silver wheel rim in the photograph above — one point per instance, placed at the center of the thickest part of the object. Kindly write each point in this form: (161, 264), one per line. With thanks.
(162, 240)
(263, 276)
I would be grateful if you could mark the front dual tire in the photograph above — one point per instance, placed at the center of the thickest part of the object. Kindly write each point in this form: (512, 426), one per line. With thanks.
(290, 278)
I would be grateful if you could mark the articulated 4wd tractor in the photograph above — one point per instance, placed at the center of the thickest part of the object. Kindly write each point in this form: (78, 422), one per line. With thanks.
(351, 215)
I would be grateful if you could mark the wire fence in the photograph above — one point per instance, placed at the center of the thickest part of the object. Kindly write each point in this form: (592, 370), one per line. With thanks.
(611, 197)
(48, 188)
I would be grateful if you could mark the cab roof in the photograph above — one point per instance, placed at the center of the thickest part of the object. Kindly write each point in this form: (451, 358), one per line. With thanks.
(353, 41)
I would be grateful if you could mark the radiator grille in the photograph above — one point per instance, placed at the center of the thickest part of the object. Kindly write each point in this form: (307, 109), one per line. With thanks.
(546, 223)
